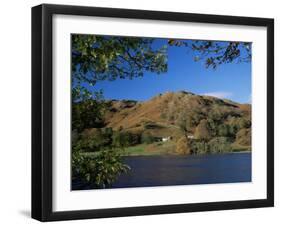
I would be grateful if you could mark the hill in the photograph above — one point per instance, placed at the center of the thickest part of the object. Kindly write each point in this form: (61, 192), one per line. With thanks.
(209, 124)
(160, 114)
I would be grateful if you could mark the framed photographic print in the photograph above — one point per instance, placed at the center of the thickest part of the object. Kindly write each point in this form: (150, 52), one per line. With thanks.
(147, 112)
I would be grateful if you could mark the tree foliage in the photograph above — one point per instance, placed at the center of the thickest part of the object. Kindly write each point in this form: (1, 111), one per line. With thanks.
(96, 58)
(104, 165)
(123, 139)
(219, 145)
(94, 140)
(243, 137)
(183, 146)
(202, 131)
(147, 138)
(198, 147)
(184, 122)
(87, 109)
(99, 171)
(215, 53)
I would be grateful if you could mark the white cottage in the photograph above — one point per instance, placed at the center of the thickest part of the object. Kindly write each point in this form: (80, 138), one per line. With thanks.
(164, 139)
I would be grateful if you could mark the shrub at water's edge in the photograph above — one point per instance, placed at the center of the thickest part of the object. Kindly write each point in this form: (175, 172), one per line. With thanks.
(99, 170)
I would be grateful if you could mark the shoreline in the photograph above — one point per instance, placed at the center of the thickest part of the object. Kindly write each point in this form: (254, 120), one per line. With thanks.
(175, 154)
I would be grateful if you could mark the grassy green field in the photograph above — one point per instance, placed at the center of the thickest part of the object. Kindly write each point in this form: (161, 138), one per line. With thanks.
(156, 148)
(160, 148)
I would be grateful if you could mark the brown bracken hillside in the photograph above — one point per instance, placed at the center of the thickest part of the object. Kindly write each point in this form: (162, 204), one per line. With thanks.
(160, 116)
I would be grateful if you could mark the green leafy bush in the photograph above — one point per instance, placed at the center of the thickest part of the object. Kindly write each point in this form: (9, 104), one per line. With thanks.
(199, 147)
(87, 109)
(100, 170)
(93, 140)
(147, 138)
(219, 145)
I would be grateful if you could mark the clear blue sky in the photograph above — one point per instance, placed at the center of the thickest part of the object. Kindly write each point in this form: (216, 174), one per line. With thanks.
(231, 81)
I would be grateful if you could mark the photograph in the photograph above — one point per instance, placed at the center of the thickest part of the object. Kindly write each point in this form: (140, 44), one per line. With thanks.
(150, 111)
(144, 112)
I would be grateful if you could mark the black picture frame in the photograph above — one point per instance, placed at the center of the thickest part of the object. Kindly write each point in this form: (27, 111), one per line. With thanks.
(42, 111)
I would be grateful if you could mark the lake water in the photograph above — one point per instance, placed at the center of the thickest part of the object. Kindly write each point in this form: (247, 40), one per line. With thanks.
(186, 170)
(167, 170)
